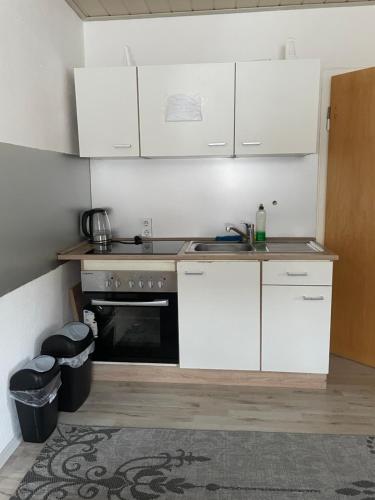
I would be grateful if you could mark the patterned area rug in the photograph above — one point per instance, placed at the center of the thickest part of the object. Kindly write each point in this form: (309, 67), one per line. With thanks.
(145, 464)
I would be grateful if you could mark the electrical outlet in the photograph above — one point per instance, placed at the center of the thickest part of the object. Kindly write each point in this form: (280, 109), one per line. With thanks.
(147, 227)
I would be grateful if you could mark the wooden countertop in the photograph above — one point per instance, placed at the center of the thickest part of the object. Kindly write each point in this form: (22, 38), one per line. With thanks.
(80, 252)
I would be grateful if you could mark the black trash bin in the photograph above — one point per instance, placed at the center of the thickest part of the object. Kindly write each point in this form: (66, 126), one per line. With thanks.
(72, 346)
(34, 389)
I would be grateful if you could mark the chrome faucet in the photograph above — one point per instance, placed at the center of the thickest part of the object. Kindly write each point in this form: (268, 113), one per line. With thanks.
(247, 235)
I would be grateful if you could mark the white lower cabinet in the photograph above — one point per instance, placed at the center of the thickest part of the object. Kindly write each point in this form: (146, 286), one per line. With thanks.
(219, 315)
(296, 328)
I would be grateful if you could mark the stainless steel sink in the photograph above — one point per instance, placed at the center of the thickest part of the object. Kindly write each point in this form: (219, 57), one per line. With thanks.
(219, 247)
(258, 247)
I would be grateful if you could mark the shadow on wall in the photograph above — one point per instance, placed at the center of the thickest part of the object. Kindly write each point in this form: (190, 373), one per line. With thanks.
(41, 196)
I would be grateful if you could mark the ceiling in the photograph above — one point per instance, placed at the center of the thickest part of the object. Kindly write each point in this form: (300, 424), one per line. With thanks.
(94, 10)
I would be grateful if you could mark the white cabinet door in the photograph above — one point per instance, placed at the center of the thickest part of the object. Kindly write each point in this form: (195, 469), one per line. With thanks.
(186, 110)
(296, 328)
(107, 111)
(219, 315)
(277, 105)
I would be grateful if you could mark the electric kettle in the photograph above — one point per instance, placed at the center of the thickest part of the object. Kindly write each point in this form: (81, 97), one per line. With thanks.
(96, 226)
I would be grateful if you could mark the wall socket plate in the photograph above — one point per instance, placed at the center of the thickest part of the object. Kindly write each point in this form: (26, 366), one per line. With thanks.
(147, 227)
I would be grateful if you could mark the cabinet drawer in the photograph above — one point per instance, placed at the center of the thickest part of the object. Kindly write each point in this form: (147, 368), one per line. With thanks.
(297, 272)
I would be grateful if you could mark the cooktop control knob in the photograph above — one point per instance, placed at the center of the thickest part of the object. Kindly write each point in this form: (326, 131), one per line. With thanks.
(160, 284)
(108, 283)
(131, 284)
(117, 283)
(141, 284)
(150, 284)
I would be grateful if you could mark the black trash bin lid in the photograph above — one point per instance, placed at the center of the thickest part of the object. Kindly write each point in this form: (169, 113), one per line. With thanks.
(36, 373)
(40, 364)
(69, 341)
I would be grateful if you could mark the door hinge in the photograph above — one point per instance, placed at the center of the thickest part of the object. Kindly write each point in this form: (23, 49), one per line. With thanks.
(328, 119)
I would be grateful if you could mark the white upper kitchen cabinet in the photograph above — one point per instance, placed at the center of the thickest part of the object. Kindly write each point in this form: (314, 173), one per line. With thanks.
(219, 315)
(277, 104)
(186, 110)
(107, 111)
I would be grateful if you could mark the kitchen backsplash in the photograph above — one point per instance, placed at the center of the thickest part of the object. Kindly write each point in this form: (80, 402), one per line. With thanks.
(196, 197)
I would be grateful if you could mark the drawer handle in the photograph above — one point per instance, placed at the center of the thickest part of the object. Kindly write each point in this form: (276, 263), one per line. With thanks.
(306, 297)
(296, 274)
(119, 146)
(252, 143)
(217, 143)
(198, 273)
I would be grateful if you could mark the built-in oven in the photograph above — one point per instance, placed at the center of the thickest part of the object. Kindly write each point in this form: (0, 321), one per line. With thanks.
(136, 315)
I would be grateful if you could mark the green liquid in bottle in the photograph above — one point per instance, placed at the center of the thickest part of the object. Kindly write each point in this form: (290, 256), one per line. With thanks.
(260, 236)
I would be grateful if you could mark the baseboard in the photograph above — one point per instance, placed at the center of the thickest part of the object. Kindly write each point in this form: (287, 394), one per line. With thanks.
(9, 449)
(173, 374)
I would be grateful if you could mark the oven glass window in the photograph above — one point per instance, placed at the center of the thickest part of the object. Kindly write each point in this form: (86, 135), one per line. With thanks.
(137, 328)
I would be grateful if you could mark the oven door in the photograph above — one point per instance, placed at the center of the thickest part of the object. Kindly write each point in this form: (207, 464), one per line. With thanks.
(136, 327)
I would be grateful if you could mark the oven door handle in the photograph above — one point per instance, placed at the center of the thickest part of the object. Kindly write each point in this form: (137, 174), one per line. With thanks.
(154, 303)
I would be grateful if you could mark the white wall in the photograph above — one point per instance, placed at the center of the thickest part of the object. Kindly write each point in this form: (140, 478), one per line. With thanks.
(340, 37)
(197, 197)
(28, 315)
(40, 42)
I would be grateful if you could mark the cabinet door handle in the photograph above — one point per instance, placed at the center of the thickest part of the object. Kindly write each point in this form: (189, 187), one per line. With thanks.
(190, 273)
(217, 143)
(296, 274)
(252, 143)
(119, 146)
(318, 297)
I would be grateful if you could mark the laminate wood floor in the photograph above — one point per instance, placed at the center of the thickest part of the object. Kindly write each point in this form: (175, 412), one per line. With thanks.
(346, 407)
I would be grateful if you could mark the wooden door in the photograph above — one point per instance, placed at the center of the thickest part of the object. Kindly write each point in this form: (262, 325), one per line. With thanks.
(277, 105)
(219, 320)
(186, 110)
(350, 214)
(107, 111)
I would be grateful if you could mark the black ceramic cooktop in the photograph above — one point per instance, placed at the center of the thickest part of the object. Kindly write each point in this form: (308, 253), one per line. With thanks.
(166, 247)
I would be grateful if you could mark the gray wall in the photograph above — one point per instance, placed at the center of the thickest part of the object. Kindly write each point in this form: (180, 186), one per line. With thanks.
(41, 196)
